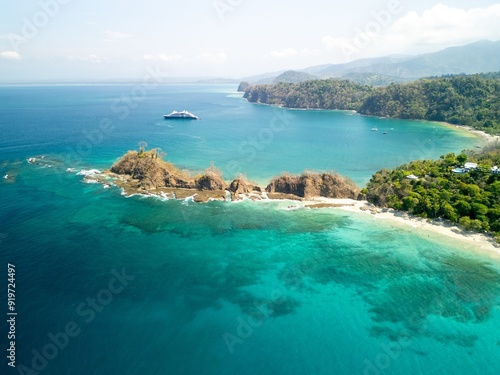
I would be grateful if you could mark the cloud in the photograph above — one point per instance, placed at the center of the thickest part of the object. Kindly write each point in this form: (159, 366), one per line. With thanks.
(116, 36)
(332, 42)
(162, 57)
(291, 52)
(443, 24)
(438, 27)
(10, 55)
(212, 58)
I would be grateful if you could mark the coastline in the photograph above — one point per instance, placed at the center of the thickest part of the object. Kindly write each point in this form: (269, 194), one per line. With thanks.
(478, 242)
(484, 137)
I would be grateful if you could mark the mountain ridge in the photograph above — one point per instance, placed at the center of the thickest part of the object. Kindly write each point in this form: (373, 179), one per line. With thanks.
(478, 57)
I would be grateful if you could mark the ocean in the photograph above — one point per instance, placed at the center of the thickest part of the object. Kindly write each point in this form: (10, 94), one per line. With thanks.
(107, 284)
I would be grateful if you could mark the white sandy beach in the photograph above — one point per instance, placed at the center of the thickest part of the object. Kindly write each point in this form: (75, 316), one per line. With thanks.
(484, 137)
(477, 241)
(483, 243)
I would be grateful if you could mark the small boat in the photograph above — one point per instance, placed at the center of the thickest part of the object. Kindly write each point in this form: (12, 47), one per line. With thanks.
(181, 115)
(374, 129)
(384, 133)
(31, 160)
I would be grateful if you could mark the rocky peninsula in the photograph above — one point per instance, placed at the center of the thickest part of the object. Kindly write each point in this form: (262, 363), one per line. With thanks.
(145, 172)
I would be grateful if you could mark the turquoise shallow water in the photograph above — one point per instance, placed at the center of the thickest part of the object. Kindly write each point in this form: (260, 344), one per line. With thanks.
(225, 288)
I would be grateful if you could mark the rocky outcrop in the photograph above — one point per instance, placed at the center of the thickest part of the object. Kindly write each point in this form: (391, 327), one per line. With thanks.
(287, 184)
(150, 172)
(243, 86)
(210, 181)
(314, 185)
(242, 186)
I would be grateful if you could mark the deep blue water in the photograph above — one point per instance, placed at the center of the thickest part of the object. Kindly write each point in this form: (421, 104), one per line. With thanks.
(145, 286)
(259, 141)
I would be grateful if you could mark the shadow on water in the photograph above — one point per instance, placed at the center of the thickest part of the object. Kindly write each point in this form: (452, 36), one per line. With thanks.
(304, 251)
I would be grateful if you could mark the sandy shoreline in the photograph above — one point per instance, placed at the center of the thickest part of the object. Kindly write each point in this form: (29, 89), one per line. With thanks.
(484, 137)
(478, 241)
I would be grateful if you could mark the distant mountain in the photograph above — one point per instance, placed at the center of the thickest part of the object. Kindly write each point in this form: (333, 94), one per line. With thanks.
(263, 78)
(373, 79)
(293, 76)
(359, 66)
(477, 57)
(315, 70)
(218, 80)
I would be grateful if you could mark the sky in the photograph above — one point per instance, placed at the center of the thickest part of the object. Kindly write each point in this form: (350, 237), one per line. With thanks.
(75, 40)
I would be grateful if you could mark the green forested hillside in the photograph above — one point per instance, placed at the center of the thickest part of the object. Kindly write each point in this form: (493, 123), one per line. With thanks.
(462, 100)
(317, 94)
(470, 199)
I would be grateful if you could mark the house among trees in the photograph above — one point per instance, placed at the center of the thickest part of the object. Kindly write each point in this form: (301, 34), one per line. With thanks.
(469, 166)
(412, 177)
(466, 168)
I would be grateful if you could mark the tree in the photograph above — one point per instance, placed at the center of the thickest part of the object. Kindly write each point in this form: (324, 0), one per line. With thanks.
(462, 158)
(462, 207)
